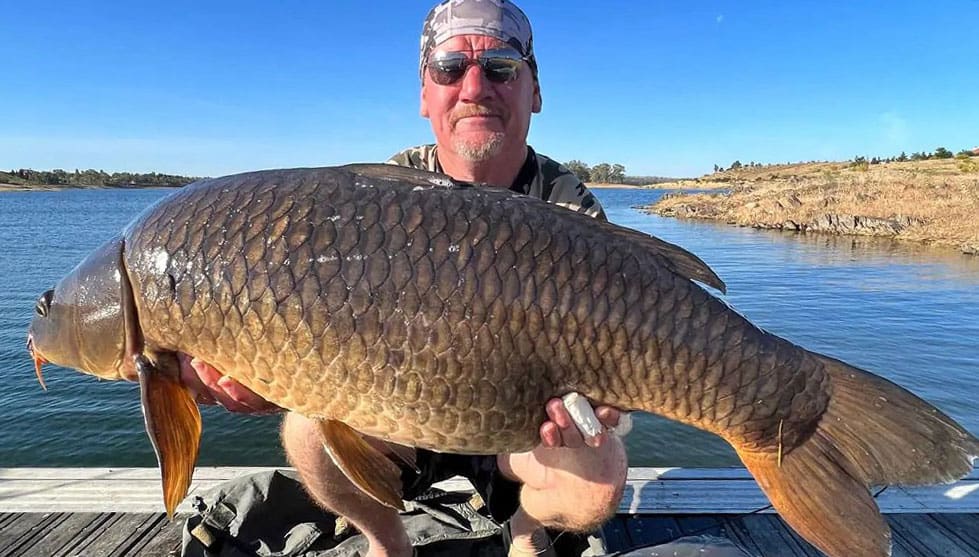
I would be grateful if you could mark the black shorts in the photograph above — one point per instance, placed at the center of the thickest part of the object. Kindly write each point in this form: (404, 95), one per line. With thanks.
(501, 495)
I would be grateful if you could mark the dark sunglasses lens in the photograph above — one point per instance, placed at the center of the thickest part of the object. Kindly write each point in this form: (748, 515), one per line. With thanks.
(448, 71)
(501, 70)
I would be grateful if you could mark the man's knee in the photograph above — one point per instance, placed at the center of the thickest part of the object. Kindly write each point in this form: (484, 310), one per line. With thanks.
(300, 439)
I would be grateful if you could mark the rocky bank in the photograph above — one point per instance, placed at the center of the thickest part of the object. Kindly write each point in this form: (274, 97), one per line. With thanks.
(935, 201)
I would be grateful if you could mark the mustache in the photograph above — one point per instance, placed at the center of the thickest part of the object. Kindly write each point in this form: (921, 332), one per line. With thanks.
(475, 110)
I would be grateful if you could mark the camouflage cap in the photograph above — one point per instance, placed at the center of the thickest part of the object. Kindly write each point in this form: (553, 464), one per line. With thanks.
(495, 18)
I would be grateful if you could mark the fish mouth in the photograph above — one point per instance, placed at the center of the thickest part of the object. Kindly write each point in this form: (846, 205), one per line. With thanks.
(38, 360)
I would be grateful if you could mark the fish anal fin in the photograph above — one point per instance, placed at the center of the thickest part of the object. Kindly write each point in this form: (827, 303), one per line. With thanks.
(816, 493)
(365, 466)
(173, 424)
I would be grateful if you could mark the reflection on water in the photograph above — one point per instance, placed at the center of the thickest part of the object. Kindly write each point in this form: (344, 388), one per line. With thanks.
(905, 311)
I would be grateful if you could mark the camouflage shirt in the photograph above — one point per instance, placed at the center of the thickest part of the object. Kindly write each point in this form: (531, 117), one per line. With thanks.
(539, 177)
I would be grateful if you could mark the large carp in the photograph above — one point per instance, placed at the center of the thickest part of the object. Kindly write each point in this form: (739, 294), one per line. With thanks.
(436, 314)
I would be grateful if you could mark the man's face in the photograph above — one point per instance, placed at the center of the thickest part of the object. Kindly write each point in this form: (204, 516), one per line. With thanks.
(475, 118)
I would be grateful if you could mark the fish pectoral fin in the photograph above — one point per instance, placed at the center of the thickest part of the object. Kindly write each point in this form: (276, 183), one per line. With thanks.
(173, 424)
(405, 454)
(365, 466)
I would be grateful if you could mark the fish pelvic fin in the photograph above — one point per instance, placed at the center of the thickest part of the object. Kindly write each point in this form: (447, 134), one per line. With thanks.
(365, 466)
(173, 424)
(873, 433)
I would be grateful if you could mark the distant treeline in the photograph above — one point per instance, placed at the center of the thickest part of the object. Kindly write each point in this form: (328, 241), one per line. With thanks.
(938, 153)
(606, 173)
(90, 177)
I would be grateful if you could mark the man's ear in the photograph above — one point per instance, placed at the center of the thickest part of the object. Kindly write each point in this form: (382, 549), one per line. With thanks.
(535, 108)
(423, 105)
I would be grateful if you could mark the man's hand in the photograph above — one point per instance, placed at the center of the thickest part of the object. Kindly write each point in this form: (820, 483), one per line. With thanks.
(209, 386)
(561, 431)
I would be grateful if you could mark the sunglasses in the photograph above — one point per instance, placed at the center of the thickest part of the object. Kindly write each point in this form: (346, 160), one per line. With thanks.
(499, 65)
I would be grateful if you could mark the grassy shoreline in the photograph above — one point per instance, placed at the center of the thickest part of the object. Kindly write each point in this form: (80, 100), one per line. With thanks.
(933, 201)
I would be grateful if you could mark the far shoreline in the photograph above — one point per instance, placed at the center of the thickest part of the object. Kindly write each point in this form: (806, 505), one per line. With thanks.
(932, 202)
(64, 187)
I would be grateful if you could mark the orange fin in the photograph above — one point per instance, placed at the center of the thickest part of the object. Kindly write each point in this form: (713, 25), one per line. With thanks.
(365, 466)
(38, 362)
(817, 494)
(872, 433)
(173, 424)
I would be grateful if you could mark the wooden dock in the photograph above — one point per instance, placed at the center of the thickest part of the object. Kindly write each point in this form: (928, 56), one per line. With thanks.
(118, 512)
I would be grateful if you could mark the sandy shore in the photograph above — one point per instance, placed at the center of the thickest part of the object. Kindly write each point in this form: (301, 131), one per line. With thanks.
(935, 201)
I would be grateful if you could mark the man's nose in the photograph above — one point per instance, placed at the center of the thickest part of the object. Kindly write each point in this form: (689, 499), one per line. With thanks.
(475, 86)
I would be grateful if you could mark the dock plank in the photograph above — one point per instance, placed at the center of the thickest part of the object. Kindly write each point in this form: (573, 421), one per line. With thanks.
(163, 541)
(144, 534)
(62, 532)
(89, 534)
(117, 534)
(738, 533)
(118, 511)
(965, 526)
(8, 517)
(615, 533)
(652, 530)
(772, 537)
(22, 530)
(82, 536)
(926, 537)
(701, 525)
(648, 491)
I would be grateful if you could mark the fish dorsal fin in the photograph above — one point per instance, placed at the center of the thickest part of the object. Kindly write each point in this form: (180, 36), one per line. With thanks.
(676, 258)
(173, 424)
(365, 466)
(679, 260)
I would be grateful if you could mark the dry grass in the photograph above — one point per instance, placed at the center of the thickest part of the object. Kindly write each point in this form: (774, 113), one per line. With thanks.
(929, 201)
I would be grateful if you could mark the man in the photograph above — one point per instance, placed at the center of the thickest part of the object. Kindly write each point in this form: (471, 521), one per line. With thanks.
(479, 89)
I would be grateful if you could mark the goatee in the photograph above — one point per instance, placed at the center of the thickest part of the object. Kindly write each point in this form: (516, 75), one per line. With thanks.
(479, 151)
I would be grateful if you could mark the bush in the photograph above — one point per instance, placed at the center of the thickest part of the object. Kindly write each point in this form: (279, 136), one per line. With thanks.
(968, 166)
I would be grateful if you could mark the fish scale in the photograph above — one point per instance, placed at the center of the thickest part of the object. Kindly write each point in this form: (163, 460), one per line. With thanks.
(327, 366)
(402, 305)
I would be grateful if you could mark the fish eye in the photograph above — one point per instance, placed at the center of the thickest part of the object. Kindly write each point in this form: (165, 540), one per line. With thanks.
(43, 304)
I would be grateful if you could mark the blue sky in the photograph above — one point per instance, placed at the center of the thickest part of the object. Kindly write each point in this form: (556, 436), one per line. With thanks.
(665, 88)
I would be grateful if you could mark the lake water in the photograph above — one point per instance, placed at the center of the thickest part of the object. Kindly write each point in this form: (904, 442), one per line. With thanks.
(904, 311)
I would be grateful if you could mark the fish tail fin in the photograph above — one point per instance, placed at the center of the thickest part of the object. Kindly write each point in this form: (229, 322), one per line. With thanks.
(873, 433)
(889, 434)
(815, 491)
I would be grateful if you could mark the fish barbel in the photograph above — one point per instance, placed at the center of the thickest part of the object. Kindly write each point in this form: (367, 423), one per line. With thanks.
(407, 306)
